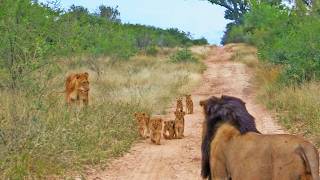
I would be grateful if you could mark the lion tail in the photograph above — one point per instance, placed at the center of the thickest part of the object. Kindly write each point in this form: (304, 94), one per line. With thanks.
(310, 156)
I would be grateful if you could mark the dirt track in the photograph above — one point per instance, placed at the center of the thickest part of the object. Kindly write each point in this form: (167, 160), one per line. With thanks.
(180, 159)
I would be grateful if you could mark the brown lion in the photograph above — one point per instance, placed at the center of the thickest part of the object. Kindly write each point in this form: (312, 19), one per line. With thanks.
(189, 104)
(143, 123)
(232, 147)
(169, 130)
(179, 104)
(155, 128)
(77, 88)
(179, 124)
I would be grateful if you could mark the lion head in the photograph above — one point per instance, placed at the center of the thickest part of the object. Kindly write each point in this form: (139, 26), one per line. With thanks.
(156, 124)
(139, 116)
(83, 82)
(218, 111)
(169, 124)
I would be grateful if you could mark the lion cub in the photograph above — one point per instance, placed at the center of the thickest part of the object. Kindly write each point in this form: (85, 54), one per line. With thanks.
(179, 124)
(143, 124)
(168, 130)
(179, 104)
(189, 104)
(156, 128)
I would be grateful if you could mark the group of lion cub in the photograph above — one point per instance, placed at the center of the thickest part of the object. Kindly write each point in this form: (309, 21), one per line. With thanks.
(172, 129)
(77, 91)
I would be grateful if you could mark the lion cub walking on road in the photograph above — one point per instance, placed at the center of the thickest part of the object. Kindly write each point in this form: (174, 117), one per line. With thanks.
(143, 124)
(189, 104)
(169, 130)
(179, 124)
(179, 104)
(156, 129)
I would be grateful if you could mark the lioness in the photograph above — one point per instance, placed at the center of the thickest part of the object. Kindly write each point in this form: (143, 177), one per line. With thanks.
(232, 147)
(77, 88)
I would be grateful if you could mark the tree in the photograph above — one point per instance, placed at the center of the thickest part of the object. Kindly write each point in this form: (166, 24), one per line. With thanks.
(235, 9)
(110, 13)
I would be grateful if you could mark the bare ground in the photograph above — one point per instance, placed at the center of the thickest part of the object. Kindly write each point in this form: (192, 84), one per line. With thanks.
(180, 159)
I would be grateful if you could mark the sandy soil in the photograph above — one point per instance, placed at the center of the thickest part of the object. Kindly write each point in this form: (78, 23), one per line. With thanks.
(180, 159)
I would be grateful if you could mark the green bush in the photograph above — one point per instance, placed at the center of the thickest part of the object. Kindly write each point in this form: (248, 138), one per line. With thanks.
(283, 37)
(152, 51)
(184, 55)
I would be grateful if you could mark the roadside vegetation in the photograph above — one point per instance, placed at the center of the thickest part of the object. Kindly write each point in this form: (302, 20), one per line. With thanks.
(296, 107)
(129, 68)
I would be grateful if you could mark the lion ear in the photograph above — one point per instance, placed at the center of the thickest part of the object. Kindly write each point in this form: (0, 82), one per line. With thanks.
(77, 76)
(202, 103)
(135, 114)
(86, 74)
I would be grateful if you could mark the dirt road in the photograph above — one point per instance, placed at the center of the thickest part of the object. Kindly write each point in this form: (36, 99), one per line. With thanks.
(180, 159)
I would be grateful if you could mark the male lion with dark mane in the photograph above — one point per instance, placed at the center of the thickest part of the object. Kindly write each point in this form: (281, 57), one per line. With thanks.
(77, 88)
(232, 147)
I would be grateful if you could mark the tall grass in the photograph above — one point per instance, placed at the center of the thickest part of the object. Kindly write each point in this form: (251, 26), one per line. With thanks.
(40, 137)
(297, 107)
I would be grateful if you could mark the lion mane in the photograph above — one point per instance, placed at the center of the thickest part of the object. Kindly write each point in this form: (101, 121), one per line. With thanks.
(216, 110)
(230, 138)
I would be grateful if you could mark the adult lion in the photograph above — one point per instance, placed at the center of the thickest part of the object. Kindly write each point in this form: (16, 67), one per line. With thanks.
(77, 88)
(232, 148)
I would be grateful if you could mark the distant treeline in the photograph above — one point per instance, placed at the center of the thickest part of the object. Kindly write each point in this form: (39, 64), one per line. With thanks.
(32, 33)
(284, 35)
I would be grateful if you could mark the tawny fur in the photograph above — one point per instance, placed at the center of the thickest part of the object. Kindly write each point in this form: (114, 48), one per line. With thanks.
(77, 88)
(189, 104)
(142, 120)
(179, 104)
(169, 130)
(156, 129)
(246, 154)
(179, 124)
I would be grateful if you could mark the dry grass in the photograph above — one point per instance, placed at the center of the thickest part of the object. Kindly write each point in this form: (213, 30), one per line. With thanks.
(39, 137)
(298, 108)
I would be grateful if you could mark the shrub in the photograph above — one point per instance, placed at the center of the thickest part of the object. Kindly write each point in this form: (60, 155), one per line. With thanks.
(152, 51)
(184, 55)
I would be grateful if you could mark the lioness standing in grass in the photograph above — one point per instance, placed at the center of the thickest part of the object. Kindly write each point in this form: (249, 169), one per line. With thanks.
(77, 88)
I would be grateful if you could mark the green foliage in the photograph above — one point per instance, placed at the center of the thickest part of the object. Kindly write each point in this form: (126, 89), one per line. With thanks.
(283, 37)
(200, 42)
(183, 55)
(33, 35)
